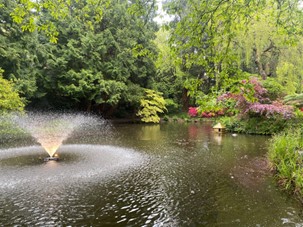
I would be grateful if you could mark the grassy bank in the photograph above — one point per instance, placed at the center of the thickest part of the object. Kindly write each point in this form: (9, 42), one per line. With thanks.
(286, 158)
(259, 125)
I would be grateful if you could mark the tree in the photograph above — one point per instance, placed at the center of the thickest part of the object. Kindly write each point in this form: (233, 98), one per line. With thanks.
(20, 54)
(168, 78)
(91, 69)
(28, 14)
(290, 68)
(151, 105)
(102, 60)
(211, 39)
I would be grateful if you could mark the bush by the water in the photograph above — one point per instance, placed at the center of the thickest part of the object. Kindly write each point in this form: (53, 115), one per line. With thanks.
(255, 125)
(286, 157)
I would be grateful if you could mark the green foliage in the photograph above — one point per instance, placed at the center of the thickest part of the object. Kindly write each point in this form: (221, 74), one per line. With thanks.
(230, 107)
(9, 99)
(254, 125)
(98, 65)
(290, 68)
(274, 89)
(102, 61)
(216, 41)
(285, 154)
(108, 52)
(298, 114)
(209, 103)
(152, 104)
(26, 12)
(92, 86)
(296, 100)
(175, 118)
(166, 118)
(168, 78)
(229, 122)
(287, 77)
(172, 106)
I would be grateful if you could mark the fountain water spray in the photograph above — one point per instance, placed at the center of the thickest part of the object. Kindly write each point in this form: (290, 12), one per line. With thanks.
(51, 129)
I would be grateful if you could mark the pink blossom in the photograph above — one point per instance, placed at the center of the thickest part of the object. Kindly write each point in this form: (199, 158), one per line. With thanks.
(192, 111)
(271, 110)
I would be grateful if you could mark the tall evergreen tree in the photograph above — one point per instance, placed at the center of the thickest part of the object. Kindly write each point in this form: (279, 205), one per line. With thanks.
(98, 64)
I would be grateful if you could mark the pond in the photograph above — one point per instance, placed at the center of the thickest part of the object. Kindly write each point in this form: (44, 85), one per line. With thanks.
(170, 174)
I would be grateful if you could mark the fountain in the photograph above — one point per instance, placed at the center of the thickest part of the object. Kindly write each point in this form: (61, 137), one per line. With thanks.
(51, 129)
(82, 158)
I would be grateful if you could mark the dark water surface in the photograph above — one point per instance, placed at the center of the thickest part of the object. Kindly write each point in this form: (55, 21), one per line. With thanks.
(144, 175)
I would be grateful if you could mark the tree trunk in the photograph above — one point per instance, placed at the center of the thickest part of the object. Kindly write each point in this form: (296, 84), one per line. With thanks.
(185, 100)
(259, 64)
(261, 59)
(89, 106)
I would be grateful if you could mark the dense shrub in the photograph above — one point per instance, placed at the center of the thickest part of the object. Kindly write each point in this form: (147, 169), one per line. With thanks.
(255, 125)
(172, 106)
(274, 89)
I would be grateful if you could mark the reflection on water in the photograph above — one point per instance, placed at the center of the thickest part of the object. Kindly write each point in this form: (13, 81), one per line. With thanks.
(149, 132)
(218, 138)
(147, 175)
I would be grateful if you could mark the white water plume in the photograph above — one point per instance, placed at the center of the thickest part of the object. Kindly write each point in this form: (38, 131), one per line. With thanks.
(51, 129)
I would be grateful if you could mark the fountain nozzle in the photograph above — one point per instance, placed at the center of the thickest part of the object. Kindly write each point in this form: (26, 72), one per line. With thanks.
(52, 158)
(55, 158)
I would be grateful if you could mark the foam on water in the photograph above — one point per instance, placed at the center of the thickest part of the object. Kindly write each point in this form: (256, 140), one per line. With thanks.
(79, 163)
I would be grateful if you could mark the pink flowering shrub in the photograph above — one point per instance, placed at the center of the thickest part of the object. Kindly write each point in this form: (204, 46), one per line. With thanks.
(232, 103)
(192, 111)
(259, 91)
(252, 99)
(270, 110)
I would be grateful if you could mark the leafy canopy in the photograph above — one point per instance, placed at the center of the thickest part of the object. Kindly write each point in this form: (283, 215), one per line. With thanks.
(26, 13)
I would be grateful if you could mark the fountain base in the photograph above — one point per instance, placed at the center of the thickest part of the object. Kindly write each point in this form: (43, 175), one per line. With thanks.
(51, 159)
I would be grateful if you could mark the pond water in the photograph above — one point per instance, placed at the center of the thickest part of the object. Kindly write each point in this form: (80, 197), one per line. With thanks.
(169, 174)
